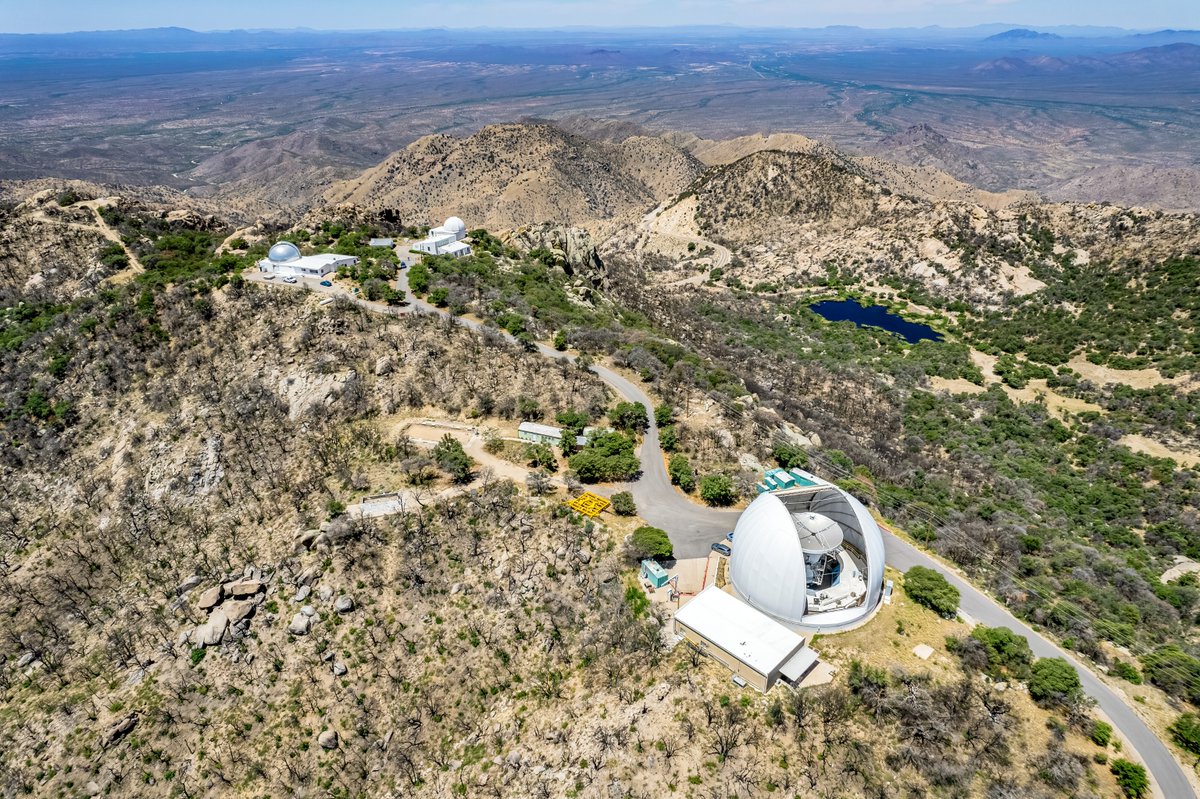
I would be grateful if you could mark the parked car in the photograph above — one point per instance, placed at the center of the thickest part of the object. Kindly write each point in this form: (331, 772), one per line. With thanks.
(721, 549)
(729, 536)
(268, 277)
(327, 284)
(290, 279)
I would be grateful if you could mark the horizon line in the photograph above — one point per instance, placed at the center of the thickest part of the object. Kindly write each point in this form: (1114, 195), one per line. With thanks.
(606, 28)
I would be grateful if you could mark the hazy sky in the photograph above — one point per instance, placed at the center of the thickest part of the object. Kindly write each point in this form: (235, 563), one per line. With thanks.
(27, 16)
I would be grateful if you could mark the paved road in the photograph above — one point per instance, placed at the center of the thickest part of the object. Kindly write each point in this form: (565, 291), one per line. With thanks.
(693, 528)
(1164, 768)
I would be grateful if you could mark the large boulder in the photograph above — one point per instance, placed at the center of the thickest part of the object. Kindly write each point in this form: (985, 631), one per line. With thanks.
(119, 730)
(211, 632)
(344, 604)
(328, 739)
(211, 598)
(188, 584)
(300, 624)
(243, 588)
(236, 611)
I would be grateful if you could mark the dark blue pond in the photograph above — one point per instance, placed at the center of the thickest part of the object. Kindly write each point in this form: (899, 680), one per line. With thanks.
(875, 316)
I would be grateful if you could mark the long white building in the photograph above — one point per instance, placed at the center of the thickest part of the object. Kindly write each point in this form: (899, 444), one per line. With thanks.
(285, 259)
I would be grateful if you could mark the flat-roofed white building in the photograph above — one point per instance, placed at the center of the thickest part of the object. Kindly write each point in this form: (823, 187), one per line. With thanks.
(446, 239)
(285, 259)
(547, 434)
(748, 642)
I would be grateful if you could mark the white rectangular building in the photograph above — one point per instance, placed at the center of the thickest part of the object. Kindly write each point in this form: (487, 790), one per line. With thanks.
(746, 641)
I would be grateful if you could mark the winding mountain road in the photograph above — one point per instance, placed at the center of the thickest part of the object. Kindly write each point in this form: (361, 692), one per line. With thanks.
(694, 528)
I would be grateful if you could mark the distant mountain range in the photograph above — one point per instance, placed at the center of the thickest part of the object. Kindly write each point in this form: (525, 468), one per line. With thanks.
(1021, 35)
(1148, 59)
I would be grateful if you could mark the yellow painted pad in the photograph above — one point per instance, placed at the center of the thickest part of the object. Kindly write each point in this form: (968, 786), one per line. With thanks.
(588, 504)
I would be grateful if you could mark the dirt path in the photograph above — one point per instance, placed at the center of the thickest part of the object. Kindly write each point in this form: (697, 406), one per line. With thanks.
(677, 224)
(241, 233)
(135, 266)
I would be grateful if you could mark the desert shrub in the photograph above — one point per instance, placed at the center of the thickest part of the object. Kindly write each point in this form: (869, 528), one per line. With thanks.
(623, 505)
(1101, 733)
(652, 542)
(1126, 671)
(1131, 777)
(790, 456)
(681, 472)
(926, 587)
(1174, 671)
(1186, 732)
(717, 489)
(1053, 681)
(664, 415)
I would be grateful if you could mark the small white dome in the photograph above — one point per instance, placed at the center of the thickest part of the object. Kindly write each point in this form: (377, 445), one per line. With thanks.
(455, 224)
(283, 252)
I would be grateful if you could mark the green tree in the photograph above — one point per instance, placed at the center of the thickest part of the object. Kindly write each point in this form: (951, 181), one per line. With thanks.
(790, 456)
(439, 296)
(419, 278)
(608, 456)
(1131, 777)
(572, 421)
(718, 489)
(926, 587)
(1054, 681)
(652, 542)
(681, 472)
(1186, 732)
(668, 438)
(630, 417)
(560, 340)
(664, 415)
(623, 505)
(453, 459)
(541, 456)
(1008, 653)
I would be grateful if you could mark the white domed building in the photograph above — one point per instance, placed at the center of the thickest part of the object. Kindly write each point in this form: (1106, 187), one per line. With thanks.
(446, 239)
(810, 557)
(807, 557)
(284, 258)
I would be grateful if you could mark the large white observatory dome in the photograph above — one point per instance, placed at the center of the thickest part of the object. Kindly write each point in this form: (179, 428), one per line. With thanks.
(455, 224)
(767, 565)
(283, 252)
